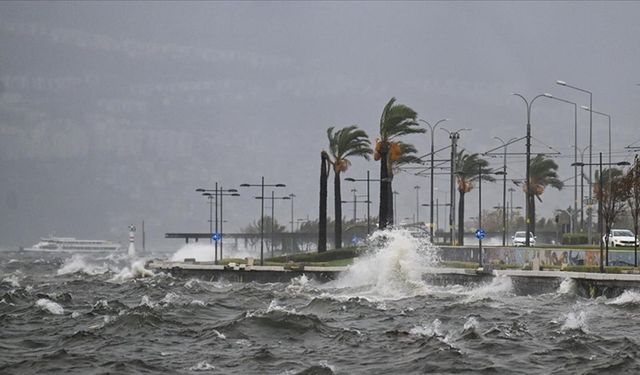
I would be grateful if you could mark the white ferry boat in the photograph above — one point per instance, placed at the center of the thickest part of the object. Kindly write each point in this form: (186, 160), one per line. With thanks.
(72, 245)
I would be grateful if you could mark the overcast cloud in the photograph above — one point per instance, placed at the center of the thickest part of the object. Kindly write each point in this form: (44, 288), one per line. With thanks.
(112, 113)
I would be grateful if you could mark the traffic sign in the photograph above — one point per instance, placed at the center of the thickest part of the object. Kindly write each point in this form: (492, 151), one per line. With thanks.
(480, 233)
(216, 237)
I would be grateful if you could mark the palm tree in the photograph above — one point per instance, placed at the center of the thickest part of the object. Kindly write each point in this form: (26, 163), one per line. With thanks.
(542, 173)
(344, 143)
(468, 167)
(396, 120)
(322, 217)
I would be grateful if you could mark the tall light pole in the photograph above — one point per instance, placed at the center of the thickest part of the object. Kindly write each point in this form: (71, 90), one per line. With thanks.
(454, 136)
(582, 187)
(262, 186)
(217, 235)
(433, 134)
(273, 199)
(504, 188)
(417, 187)
(574, 217)
(355, 205)
(291, 196)
(368, 181)
(609, 118)
(563, 83)
(528, 167)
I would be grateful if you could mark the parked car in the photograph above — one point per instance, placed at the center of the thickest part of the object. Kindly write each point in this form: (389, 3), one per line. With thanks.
(621, 237)
(519, 239)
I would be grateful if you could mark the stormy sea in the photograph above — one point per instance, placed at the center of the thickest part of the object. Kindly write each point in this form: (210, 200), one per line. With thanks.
(82, 314)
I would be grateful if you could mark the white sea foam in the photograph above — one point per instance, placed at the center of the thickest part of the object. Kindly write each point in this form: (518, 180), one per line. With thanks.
(393, 270)
(428, 330)
(50, 306)
(567, 286)
(575, 321)
(78, 263)
(134, 271)
(202, 366)
(628, 297)
(13, 280)
(499, 287)
(471, 323)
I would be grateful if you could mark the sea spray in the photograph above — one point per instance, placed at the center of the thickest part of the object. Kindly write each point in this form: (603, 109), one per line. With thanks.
(393, 267)
(199, 252)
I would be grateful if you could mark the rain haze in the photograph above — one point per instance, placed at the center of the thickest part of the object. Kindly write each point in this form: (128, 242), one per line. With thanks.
(113, 113)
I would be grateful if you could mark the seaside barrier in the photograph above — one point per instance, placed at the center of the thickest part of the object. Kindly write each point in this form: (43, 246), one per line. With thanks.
(587, 284)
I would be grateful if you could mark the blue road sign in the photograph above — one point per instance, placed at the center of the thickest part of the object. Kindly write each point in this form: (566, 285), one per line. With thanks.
(480, 233)
(216, 237)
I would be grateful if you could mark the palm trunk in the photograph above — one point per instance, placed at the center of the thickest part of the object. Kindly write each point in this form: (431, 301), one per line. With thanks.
(461, 218)
(532, 213)
(386, 195)
(338, 210)
(322, 218)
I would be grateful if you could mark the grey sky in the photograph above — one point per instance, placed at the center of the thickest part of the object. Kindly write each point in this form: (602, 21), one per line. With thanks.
(114, 112)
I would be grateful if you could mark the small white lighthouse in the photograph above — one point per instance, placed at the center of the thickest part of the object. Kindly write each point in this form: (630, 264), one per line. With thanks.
(132, 240)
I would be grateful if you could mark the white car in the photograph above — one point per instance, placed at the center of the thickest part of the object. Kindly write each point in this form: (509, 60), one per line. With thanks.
(621, 237)
(519, 239)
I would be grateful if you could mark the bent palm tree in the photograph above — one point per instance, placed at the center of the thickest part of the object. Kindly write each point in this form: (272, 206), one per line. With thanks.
(344, 143)
(468, 167)
(322, 217)
(396, 120)
(542, 173)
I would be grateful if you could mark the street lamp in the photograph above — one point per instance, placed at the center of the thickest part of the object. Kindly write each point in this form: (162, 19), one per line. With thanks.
(563, 83)
(433, 129)
(217, 192)
(608, 117)
(368, 180)
(582, 186)
(262, 185)
(575, 153)
(272, 199)
(504, 187)
(454, 136)
(528, 166)
(600, 164)
(417, 187)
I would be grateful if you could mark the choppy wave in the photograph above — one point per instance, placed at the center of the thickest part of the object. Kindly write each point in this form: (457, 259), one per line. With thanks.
(50, 306)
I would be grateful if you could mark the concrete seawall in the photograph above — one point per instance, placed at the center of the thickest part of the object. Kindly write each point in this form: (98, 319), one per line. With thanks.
(524, 282)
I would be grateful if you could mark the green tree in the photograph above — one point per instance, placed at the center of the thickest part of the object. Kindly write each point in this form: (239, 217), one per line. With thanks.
(468, 168)
(397, 120)
(612, 195)
(271, 225)
(542, 173)
(343, 144)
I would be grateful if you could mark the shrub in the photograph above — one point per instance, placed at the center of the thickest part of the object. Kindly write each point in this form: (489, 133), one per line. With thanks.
(575, 239)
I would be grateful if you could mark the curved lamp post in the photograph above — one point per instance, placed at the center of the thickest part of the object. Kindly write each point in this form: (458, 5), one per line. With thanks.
(528, 152)
(563, 83)
(504, 187)
(433, 134)
(574, 217)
